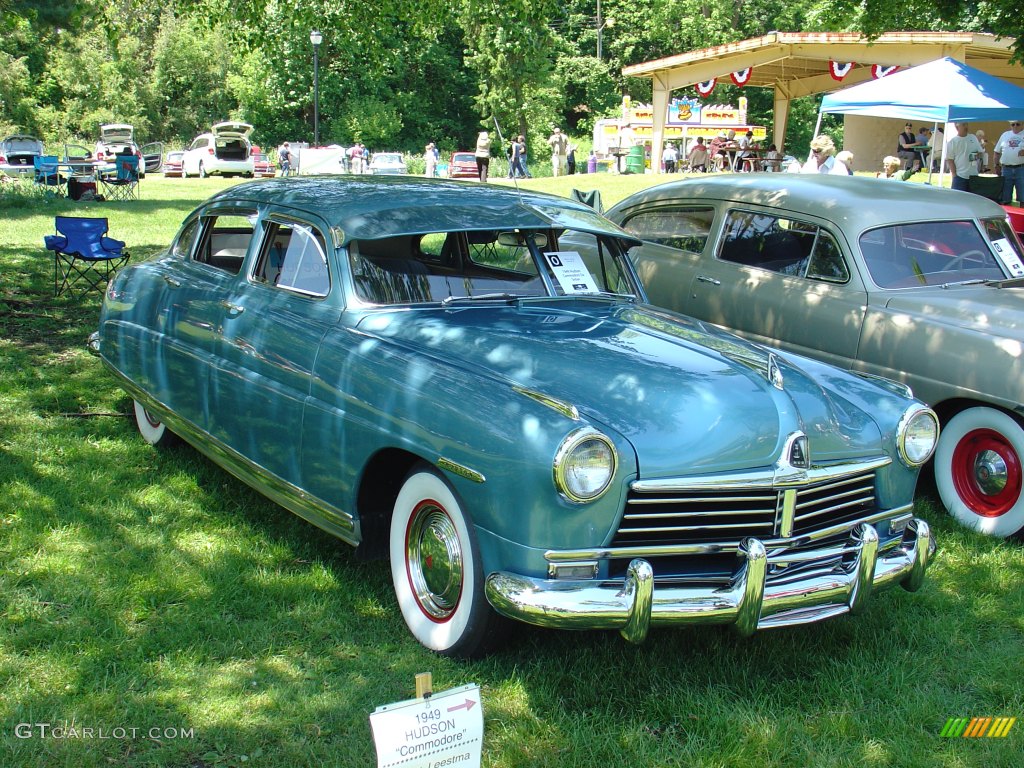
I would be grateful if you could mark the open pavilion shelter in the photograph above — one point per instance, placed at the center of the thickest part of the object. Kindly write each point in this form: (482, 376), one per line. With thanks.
(797, 64)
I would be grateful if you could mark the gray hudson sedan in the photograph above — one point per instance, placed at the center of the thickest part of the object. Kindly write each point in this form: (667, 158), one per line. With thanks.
(904, 281)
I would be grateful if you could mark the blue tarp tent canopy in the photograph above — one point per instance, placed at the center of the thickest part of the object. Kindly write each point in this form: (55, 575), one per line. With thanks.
(941, 91)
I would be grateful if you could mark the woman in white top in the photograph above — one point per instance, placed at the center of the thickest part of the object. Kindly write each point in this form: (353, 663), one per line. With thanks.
(822, 160)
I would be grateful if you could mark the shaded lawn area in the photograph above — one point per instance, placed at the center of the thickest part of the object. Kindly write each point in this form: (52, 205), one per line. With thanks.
(149, 590)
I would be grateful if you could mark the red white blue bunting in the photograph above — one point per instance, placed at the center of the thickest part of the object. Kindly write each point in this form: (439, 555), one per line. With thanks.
(705, 88)
(742, 76)
(880, 70)
(839, 70)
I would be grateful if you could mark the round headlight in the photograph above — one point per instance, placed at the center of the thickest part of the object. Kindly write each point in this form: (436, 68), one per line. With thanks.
(584, 465)
(918, 435)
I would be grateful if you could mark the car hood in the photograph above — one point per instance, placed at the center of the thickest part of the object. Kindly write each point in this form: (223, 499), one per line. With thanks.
(689, 397)
(981, 308)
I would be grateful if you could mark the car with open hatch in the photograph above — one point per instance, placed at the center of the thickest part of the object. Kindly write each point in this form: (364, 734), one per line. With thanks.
(426, 370)
(119, 139)
(224, 150)
(18, 155)
(905, 281)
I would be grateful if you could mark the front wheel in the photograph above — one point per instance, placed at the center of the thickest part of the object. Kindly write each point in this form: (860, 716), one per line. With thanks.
(979, 473)
(153, 431)
(436, 569)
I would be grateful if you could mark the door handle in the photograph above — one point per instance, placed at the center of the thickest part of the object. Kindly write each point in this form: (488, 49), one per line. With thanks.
(172, 282)
(704, 279)
(234, 310)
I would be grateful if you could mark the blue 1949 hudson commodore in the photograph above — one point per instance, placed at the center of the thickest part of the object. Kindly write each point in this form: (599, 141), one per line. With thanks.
(427, 370)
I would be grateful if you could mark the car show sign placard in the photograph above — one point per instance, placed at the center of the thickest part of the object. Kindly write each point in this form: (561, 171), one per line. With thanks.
(444, 730)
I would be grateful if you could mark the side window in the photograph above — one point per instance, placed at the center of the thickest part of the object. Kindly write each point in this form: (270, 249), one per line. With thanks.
(186, 239)
(786, 246)
(827, 262)
(293, 257)
(225, 240)
(684, 228)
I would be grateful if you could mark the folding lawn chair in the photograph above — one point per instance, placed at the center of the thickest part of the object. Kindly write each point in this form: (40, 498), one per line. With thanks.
(123, 184)
(83, 255)
(47, 173)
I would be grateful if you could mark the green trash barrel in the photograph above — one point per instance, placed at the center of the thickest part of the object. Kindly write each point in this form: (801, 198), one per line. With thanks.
(635, 160)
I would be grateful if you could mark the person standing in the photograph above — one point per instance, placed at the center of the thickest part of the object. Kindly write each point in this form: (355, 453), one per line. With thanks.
(483, 155)
(430, 159)
(670, 158)
(558, 144)
(284, 159)
(1009, 154)
(570, 160)
(983, 160)
(962, 155)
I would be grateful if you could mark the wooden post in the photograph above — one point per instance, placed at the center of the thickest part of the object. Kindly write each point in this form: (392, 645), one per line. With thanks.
(424, 685)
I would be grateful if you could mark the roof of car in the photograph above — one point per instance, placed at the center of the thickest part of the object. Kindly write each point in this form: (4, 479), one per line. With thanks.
(376, 206)
(857, 201)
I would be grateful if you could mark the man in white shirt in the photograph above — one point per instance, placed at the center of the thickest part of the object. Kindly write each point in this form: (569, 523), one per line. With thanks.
(670, 158)
(962, 154)
(1009, 154)
(559, 145)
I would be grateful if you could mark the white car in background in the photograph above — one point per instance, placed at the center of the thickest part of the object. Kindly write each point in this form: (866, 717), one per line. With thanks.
(115, 139)
(387, 163)
(18, 153)
(225, 150)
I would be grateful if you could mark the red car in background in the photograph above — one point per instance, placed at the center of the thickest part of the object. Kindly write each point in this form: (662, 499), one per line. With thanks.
(172, 164)
(463, 166)
(263, 164)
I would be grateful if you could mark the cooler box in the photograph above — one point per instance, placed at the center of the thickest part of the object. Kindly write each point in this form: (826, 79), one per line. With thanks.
(987, 185)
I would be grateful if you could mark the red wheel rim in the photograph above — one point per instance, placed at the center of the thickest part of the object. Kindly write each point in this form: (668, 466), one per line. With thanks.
(987, 472)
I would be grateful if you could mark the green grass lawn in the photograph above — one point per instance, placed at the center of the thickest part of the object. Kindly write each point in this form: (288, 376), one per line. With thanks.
(150, 590)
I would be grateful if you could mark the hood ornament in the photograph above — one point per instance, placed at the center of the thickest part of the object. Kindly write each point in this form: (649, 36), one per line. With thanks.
(774, 373)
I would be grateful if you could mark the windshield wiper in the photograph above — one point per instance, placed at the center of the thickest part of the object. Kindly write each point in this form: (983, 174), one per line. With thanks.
(1009, 282)
(972, 281)
(508, 297)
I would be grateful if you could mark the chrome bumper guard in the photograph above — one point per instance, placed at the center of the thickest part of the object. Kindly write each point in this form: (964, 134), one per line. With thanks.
(753, 600)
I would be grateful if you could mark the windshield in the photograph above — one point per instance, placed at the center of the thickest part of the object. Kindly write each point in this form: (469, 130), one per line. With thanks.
(941, 252)
(488, 265)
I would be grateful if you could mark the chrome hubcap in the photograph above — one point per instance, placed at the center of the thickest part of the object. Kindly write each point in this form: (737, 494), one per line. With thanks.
(990, 472)
(434, 558)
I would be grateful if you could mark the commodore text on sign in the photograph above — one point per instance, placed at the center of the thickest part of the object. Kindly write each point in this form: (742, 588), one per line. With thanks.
(442, 731)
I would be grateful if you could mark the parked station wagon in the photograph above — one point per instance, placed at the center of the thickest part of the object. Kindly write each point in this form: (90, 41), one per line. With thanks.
(225, 150)
(904, 281)
(422, 369)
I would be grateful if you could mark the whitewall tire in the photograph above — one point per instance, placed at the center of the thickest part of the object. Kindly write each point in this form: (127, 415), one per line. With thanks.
(436, 569)
(979, 473)
(153, 431)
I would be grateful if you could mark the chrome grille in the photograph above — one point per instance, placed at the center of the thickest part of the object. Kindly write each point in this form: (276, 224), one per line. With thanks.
(730, 515)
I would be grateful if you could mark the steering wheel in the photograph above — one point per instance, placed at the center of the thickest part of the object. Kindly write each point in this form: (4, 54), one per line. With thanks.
(957, 262)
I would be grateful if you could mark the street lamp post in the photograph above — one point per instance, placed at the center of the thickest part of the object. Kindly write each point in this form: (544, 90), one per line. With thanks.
(601, 24)
(316, 38)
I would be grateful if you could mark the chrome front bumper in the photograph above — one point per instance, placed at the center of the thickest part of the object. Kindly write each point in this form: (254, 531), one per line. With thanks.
(753, 600)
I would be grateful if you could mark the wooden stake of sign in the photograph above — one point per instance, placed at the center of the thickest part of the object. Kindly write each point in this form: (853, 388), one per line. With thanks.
(424, 685)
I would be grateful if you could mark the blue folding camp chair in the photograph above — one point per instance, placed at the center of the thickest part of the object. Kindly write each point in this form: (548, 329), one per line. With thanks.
(47, 173)
(123, 184)
(82, 254)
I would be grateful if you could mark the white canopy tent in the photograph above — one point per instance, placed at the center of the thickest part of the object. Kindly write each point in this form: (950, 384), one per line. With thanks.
(942, 91)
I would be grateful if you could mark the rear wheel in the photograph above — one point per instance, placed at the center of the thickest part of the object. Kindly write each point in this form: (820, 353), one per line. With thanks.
(153, 431)
(979, 472)
(436, 568)
(202, 171)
